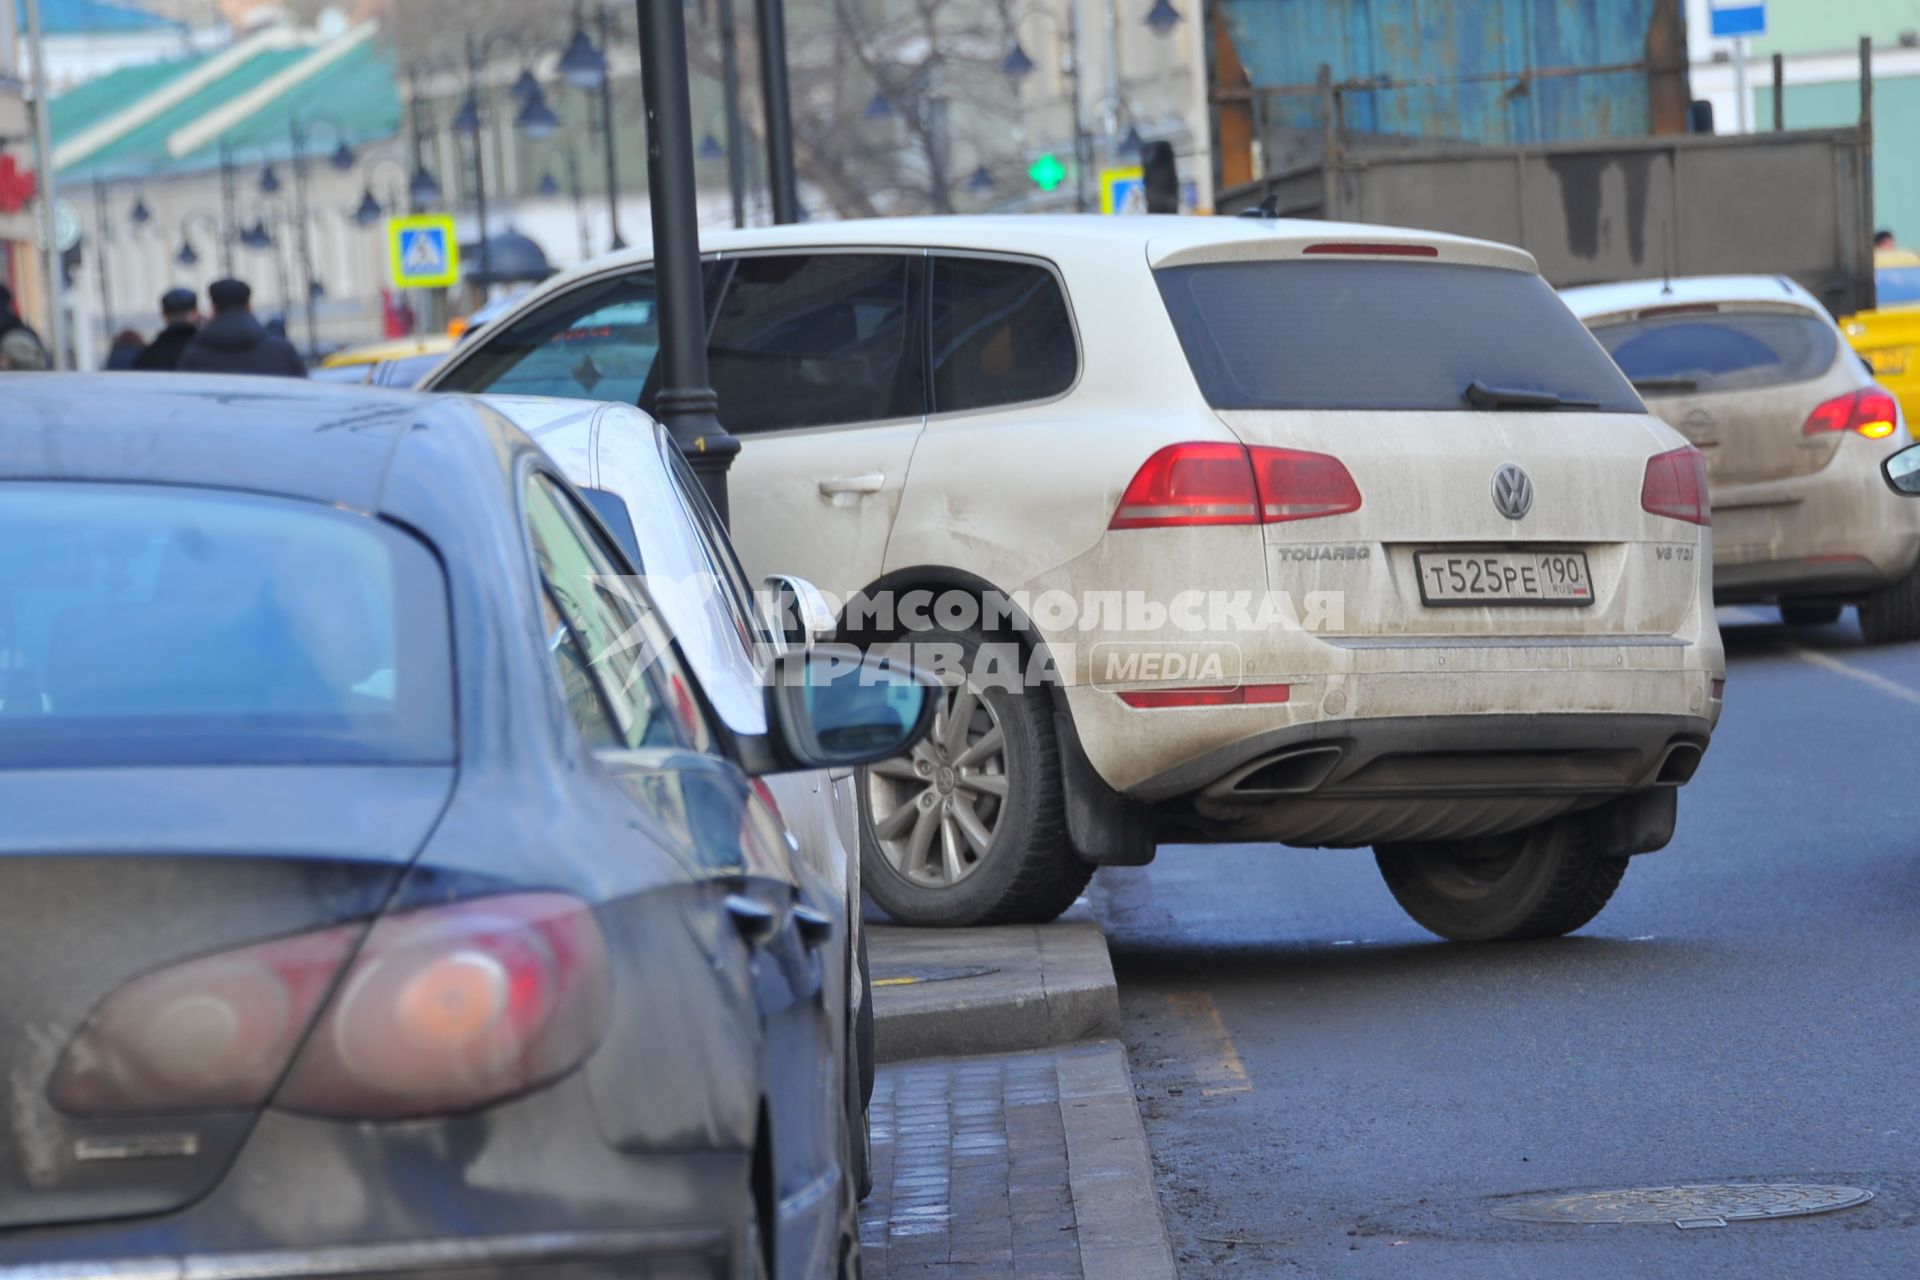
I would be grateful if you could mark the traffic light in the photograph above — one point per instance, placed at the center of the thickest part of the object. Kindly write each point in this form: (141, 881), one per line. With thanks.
(1047, 172)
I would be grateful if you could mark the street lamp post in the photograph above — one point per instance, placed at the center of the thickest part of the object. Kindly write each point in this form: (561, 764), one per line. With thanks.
(730, 89)
(468, 121)
(686, 403)
(777, 97)
(1018, 66)
(343, 159)
(606, 132)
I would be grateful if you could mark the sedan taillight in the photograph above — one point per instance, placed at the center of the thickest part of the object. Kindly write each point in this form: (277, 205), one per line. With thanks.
(1676, 486)
(1870, 411)
(443, 1009)
(1206, 483)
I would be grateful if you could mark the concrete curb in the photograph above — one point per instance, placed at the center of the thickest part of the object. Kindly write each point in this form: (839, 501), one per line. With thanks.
(1116, 1203)
(1003, 989)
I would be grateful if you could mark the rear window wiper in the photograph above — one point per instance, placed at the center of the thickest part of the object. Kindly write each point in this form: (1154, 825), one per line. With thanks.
(1666, 384)
(1481, 396)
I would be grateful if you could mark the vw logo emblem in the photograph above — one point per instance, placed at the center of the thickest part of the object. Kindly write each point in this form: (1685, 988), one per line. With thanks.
(1512, 492)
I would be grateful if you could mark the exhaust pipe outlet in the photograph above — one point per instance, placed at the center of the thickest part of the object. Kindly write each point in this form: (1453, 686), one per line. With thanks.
(1290, 773)
(1677, 769)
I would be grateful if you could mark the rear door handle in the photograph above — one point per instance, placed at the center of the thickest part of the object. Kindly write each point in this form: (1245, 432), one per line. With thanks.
(868, 483)
(756, 923)
(814, 927)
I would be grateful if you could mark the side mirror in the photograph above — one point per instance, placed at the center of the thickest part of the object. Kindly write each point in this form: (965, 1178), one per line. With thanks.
(797, 613)
(836, 706)
(1903, 471)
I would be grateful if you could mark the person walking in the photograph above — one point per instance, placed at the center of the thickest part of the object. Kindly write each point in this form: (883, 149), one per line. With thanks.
(234, 342)
(20, 347)
(180, 308)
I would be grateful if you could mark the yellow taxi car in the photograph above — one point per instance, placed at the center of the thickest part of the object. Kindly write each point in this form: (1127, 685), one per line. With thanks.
(1888, 338)
(399, 362)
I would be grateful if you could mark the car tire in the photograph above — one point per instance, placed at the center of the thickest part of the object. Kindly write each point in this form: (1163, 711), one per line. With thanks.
(1892, 615)
(921, 862)
(1538, 883)
(1809, 615)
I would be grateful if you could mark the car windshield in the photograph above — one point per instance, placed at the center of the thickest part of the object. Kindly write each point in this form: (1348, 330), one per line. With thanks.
(1344, 334)
(170, 625)
(1686, 350)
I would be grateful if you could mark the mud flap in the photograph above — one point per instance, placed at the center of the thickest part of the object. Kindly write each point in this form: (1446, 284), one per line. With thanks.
(1641, 822)
(1106, 828)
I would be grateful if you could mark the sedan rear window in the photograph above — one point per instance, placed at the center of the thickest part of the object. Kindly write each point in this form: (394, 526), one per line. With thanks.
(1385, 335)
(172, 626)
(1683, 352)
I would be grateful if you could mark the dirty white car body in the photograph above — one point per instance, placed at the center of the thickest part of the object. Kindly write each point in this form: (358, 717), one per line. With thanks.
(1757, 375)
(1056, 446)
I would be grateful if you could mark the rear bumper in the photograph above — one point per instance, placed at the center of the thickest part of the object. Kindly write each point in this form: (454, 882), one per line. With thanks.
(1836, 533)
(1567, 693)
(671, 1253)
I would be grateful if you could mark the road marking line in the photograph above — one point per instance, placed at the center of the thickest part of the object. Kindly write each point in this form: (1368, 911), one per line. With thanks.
(1828, 662)
(1217, 1064)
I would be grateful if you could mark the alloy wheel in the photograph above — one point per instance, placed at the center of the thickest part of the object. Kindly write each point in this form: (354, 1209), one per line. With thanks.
(936, 811)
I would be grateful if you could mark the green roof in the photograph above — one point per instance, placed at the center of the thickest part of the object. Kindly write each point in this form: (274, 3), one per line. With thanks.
(87, 104)
(354, 97)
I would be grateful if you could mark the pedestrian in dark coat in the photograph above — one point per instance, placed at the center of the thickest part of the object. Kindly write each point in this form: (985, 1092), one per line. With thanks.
(180, 308)
(234, 342)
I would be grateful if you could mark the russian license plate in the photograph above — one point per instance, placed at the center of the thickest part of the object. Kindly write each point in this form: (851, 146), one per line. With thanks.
(1504, 577)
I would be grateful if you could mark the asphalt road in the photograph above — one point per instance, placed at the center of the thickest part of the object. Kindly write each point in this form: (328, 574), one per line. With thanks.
(1329, 1091)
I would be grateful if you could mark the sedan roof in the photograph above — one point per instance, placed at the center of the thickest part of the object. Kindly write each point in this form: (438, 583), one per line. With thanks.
(321, 441)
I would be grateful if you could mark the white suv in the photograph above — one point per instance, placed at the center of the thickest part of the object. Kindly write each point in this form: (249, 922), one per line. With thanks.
(1298, 532)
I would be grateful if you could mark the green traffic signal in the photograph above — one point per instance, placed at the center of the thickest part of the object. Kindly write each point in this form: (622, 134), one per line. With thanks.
(1047, 172)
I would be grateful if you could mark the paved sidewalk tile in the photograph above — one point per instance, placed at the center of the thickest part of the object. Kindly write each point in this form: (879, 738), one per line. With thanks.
(973, 1175)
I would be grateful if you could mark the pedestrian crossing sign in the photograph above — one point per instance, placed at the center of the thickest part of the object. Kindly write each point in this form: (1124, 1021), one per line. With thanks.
(423, 252)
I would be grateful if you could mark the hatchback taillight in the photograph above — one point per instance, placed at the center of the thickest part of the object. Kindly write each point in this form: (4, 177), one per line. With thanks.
(1870, 411)
(1206, 483)
(1676, 486)
(443, 1009)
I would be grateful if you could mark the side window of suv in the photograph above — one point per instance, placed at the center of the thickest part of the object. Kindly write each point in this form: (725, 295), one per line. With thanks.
(806, 340)
(1001, 334)
(597, 342)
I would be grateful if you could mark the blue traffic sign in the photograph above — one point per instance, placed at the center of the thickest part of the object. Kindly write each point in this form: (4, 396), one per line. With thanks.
(1732, 18)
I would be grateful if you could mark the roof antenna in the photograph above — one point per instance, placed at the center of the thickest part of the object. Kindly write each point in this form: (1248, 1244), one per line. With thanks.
(1268, 208)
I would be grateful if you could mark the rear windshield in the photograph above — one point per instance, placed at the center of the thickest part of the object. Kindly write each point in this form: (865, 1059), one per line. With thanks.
(169, 626)
(1382, 335)
(1678, 354)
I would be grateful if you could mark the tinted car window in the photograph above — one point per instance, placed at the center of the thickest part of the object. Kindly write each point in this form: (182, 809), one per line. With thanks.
(171, 625)
(809, 340)
(593, 595)
(597, 342)
(585, 705)
(1727, 351)
(1001, 334)
(1380, 335)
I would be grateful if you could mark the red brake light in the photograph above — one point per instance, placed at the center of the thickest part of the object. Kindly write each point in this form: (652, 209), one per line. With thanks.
(1870, 411)
(1189, 484)
(1222, 484)
(451, 1008)
(1676, 486)
(1296, 485)
(443, 1009)
(1376, 250)
(1246, 695)
(213, 1033)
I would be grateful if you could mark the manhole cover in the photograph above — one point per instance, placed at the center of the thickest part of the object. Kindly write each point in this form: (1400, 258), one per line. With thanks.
(1699, 1206)
(914, 977)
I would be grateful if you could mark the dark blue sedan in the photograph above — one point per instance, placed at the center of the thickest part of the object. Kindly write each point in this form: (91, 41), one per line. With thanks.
(378, 893)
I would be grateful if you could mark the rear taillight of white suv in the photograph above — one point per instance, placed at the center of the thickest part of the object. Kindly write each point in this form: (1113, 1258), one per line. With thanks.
(1210, 483)
(1869, 411)
(1676, 486)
